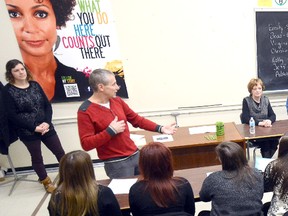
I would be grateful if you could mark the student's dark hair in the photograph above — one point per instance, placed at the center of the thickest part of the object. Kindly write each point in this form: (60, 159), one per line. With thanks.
(234, 161)
(63, 10)
(283, 146)
(279, 172)
(77, 186)
(156, 169)
(12, 64)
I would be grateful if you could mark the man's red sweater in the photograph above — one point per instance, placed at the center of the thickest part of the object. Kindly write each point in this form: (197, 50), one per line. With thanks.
(94, 132)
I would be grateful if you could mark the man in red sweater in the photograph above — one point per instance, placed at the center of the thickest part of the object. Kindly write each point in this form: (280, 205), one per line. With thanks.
(102, 124)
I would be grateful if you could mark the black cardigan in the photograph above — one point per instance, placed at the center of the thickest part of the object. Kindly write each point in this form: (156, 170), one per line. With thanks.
(7, 136)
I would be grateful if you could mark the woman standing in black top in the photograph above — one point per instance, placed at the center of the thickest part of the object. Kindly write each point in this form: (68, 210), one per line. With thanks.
(30, 113)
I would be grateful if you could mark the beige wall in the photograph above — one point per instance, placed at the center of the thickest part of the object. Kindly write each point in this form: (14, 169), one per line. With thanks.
(176, 54)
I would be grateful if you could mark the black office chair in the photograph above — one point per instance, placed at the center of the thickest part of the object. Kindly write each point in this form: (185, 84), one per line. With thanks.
(250, 144)
(175, 214)
(16, 177)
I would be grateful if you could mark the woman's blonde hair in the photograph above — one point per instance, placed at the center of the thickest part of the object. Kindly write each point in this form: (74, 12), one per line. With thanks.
(77, 186)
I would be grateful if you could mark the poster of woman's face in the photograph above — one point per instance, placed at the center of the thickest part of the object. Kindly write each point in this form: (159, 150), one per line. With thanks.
(62, 42)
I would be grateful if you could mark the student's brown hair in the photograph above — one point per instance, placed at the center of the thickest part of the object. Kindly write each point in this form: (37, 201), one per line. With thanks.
(233, 160)
(156, 168)
(279, 170)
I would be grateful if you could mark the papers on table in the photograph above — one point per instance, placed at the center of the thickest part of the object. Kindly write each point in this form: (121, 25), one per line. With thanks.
(261, 163)
(163, 138)
(207, 174)
(139, 140)
(202, 129)
(121, 186)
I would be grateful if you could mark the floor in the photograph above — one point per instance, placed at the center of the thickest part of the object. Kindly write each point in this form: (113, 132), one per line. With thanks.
(29, 198)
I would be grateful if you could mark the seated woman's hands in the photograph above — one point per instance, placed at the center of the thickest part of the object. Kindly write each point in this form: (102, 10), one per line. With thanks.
(265, 123)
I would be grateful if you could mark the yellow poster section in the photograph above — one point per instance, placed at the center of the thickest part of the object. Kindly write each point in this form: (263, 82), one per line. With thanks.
(264, 3)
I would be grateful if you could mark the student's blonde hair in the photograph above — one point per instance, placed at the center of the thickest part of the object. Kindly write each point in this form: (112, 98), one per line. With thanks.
(77, 186)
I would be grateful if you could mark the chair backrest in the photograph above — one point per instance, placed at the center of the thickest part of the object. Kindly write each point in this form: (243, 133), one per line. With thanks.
(175, 214)
(287, 105)
(242, 122)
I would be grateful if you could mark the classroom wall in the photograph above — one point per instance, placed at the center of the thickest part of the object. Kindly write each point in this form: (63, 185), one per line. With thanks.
(191, 57)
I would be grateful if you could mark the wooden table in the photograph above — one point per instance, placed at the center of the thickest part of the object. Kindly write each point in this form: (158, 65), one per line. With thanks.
(195, 176)
(195, 150)
(278, 129)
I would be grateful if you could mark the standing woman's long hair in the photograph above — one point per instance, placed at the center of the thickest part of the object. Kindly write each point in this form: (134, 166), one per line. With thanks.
(77, 186)
(233, 161)
(279, 171)
(156, 168)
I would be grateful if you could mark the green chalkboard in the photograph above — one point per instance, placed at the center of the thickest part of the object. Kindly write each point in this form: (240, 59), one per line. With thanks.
(272, 49)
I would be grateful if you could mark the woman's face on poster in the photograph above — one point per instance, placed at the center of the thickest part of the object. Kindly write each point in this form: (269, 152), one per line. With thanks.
(34, 24)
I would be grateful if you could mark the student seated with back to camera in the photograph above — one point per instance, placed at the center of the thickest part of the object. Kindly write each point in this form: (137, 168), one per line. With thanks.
(237, 189)
(276, 180)
(78, 193)
(157, 192)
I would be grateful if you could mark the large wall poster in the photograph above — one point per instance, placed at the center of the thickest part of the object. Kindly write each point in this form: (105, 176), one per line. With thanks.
(90, 41)
(63, 41)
